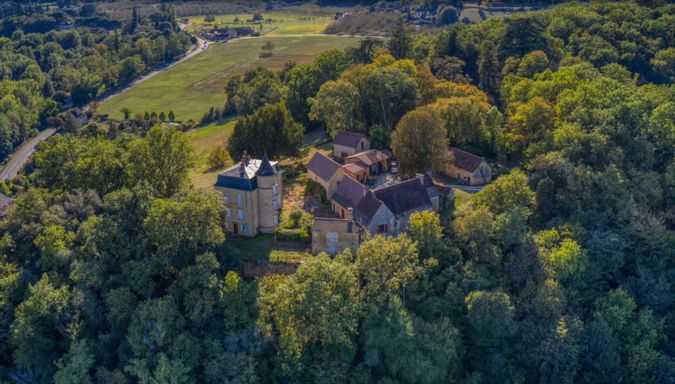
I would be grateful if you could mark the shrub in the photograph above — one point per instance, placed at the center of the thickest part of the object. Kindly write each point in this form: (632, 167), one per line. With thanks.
(293, 234)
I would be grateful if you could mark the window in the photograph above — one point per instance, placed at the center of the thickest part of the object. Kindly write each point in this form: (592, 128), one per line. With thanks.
(227, 197)
(228, 212)
(239, 199)
(240, 214)
(382, 228)
(332, 237)
(332, 250)
(244, 228)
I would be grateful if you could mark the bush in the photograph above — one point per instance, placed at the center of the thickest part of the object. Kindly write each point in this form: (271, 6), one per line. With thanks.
(293, 234)
(314, 188)
(218, 158)
(209, 18)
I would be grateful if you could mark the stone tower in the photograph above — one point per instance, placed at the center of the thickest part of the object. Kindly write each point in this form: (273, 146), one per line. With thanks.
(269, 196)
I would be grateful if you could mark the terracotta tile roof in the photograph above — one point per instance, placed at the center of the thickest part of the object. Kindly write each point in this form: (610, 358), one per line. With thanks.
(355, 167)
(349, 192)
(465, 160)
(349, 139)
(405, 196)
(327, 224)
(368, 157)
(322, 166)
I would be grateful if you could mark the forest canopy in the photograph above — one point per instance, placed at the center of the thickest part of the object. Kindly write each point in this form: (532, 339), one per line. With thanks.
(114, 269)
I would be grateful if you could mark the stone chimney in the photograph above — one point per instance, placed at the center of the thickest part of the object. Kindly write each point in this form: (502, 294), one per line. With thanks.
(350, 219)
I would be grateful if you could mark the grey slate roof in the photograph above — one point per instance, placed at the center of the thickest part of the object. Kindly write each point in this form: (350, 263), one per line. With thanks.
(465, 160)
(243, 179)
(349, 192)
(404, 197)
(367, 208)
(328, 224)
(324, 167)
(266, 168)
(349, 139)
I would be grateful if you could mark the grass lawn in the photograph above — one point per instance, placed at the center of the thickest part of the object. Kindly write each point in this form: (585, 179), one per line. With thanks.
(289, 21)
(461, 197)
(204, 140)
(191, 87)
(264, 248)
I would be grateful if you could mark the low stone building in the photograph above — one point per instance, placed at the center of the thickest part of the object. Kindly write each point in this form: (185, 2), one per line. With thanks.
(386, 211)
(333, 235)
(467, 167)
(347, 195)
(252, 190)
(376, 161)
(358, 171)
(348, 143)
(325, 171)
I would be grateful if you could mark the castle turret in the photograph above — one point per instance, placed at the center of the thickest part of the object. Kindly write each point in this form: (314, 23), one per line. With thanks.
(269, 195)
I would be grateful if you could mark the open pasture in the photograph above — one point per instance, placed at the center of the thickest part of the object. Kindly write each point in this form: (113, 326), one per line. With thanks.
(192, 87)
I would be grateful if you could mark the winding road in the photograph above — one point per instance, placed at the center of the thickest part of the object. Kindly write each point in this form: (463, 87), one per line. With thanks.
(22, 155)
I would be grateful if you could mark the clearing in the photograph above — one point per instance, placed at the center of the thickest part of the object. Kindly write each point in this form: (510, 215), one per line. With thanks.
(303, 20)
(193, 86)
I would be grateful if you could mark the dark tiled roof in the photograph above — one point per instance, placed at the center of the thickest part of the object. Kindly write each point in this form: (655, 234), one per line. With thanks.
(322, 166)
(368, 157)
(327, 224)
(266, 168)
(349, 139)
(367, 208)
(404, 197)
(465, 160)
(349, 192)
(244, 179)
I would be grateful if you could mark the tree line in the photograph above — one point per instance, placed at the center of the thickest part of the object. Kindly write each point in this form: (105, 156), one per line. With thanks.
(112, 269)
(45, 69)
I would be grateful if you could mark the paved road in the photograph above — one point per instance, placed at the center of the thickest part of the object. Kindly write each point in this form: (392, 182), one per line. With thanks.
(466, 188)
(21, 156)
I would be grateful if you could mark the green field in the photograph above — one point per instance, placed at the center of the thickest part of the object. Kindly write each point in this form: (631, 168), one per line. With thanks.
(204, 140)
(281, 23)
(191, 87)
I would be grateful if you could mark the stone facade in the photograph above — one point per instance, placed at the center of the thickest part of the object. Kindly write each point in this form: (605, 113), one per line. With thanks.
(252, 190)
(333, 236)
(467, 167)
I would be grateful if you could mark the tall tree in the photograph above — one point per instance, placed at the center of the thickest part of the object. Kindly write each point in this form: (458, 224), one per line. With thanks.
(399, 44)
(163, 158)
(419, 141)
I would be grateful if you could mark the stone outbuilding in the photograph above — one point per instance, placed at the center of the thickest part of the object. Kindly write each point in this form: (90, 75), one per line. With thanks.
(347, 143)
(333, 235)
(467, 167)
(325, 171)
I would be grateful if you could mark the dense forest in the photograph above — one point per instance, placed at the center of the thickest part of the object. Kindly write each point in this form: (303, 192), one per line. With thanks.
(51, 60)
(113, 269)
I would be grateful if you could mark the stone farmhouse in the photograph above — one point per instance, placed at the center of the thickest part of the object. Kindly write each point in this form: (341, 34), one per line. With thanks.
(348, 143)
(382, 211)
(325, 171)
(252, 190)
(333, 235)
(467, 167)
